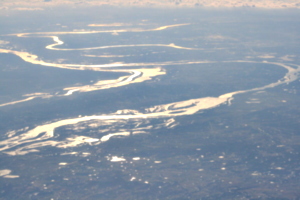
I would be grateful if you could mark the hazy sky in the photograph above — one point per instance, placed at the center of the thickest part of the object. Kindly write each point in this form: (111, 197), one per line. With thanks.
(34, 4)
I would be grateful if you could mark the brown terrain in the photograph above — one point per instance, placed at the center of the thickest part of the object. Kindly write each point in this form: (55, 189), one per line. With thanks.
(41, 4)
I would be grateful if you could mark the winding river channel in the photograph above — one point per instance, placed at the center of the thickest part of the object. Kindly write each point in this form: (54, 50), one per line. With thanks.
(141, 103)
(23, 141)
